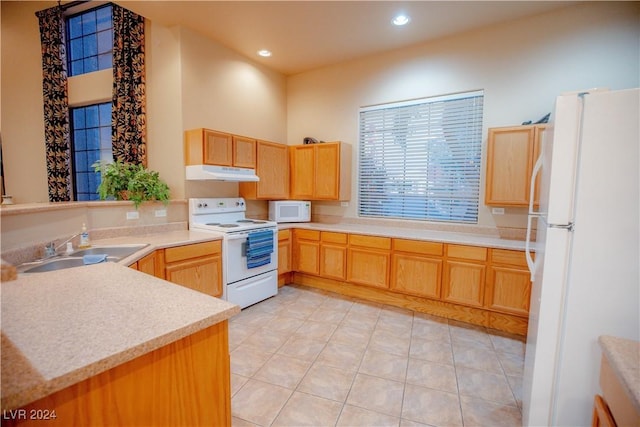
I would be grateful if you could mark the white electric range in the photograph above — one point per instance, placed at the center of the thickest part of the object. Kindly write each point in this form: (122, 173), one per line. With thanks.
(249, 248)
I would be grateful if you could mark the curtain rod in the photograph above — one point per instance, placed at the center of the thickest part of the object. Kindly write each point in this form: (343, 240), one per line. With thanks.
(72, 4)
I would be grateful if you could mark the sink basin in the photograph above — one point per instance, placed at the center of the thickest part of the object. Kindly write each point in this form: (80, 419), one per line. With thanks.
(58, 264)
(118, 251)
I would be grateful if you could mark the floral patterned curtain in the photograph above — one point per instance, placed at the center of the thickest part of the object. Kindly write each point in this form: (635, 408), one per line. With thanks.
(128, 116)
(56, 104)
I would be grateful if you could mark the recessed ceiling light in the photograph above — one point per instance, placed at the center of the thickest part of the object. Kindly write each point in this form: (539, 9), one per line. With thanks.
(264, 52)
(400, 20)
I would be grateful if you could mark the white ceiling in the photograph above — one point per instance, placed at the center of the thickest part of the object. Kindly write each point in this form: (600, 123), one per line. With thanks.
(304, 35)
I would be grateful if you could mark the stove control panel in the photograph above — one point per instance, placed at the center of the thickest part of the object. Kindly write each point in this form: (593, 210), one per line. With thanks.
(216, 205)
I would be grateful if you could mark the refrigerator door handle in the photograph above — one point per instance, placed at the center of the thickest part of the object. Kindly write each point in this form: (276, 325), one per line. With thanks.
(527, 247)
(534, 174)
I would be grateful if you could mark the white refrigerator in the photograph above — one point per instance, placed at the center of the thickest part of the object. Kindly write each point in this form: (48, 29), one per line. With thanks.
(585, 272)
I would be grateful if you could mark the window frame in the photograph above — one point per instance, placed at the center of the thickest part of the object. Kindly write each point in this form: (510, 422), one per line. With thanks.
(378, 129)
(67, 23)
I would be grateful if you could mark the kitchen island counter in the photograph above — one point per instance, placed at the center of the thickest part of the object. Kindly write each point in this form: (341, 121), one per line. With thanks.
(65, 326)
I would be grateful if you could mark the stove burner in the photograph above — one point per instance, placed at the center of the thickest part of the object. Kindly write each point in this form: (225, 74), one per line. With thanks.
(212, 223)
(245, 220)
(228, 225)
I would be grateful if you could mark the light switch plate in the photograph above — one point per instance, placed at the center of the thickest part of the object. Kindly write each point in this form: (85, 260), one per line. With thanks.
(133, 215)
(160, 213)
(497, 211)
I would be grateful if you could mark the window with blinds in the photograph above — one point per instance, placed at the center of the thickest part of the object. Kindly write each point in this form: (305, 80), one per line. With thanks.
(421, 159)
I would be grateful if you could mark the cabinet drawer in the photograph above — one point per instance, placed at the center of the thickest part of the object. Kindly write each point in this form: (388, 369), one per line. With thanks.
(196, 250)
(331, 237)
(370, 241)
(504, 256)
(307, 234)
(474, 253)
(418, 247)
(284, 235)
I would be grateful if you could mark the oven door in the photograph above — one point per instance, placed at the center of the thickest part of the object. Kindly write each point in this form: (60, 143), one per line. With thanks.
(235, 255)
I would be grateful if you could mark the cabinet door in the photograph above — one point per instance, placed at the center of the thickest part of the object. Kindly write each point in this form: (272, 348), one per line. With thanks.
(463, 283)
(244, 152)
(148, 264)
(218, 148)
(509, 165)
(308, 257)
(508, 290)
(273, 170)
(201, 274)
(368, 267)
(327, 171)
(302, 171)
(416, 275)
(333, 261)
(284, 257)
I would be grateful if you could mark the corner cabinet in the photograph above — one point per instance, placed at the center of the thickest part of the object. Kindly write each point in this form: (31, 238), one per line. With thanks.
(321, 171)
(272, 166)
(511, 155)
(197, 266)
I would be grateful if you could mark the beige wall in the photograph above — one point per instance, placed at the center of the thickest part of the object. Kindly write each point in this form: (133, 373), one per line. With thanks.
(521, 66)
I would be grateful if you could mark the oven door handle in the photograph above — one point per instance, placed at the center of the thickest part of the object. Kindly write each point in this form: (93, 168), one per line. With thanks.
(236, 237)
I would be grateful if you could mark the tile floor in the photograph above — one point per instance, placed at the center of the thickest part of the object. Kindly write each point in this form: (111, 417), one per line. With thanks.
(312, 358)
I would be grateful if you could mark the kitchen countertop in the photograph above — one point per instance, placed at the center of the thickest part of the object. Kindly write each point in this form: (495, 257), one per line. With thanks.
(412, 233)
(624, 357)
(61, 327)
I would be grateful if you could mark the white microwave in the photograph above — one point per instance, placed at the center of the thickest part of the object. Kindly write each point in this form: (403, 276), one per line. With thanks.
(290, 211)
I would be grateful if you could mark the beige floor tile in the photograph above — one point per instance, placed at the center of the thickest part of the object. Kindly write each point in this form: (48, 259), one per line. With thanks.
(237, 422)
(484, 385)
(301, 310)
(376, 394)
(409, 423)
(384, 365)
(430, 331)
(284, 324)
(319, 331)
(258, 402)
(360, 321)
(328, 382)
(284, 371)
(516, 387)
(470, 335)
(353, 336)
(237, 334)
(341, 355)
(366, 308)
(478, 412)
(433, 407)
(433, 351)
(512, 364)
(506, 343)
(237, 381)
(337, 302)
(328, 315)
(246, 360)
(306, 410)
(432, 375)
(266, 340)
(476, 358)
(302, 348)
(390, 342)
(352, 416)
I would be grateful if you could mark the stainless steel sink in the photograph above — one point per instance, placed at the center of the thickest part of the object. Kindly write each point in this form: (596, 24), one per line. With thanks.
(114, 254)
(56, 264)
(119, 251)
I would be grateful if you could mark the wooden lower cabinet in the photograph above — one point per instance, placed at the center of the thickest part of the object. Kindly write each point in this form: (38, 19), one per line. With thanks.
(186, 382)
(196, 266)
(416, 268)
(508, 287)
(307, 251)
(369, 260)
(463, 283)
(284, 251)
(333, 255)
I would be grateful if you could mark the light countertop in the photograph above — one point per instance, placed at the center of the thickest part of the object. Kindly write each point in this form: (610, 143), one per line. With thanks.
(624, 357)
(61, 327)
(412, 233)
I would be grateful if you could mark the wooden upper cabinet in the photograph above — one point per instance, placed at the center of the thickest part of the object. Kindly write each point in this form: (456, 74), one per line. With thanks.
(244, 152)
(321, 171)
(272, 166)
(211, 147)
(511, 155)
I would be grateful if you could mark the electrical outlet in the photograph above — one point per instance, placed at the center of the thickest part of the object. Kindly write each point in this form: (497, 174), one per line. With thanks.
(497, 211)
(160, 213)
(133, 215)
(344, 204)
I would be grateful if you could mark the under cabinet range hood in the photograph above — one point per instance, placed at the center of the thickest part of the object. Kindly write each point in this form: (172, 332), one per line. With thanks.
(221, 173)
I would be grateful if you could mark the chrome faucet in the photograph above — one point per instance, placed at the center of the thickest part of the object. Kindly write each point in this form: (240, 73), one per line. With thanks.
(51, 250)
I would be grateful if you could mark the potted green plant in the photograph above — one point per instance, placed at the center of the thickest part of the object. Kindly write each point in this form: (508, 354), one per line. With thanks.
(128, 181)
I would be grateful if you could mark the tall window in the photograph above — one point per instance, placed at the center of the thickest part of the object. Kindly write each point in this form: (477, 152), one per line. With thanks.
(421, 159)
(91, 141)
(90, 41)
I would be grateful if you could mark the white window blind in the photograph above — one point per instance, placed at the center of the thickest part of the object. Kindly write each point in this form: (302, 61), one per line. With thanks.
(421, 159)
